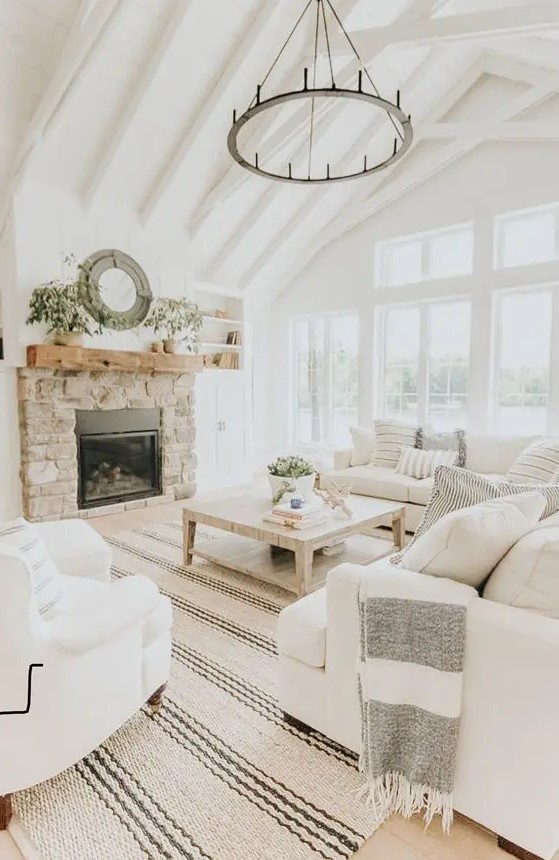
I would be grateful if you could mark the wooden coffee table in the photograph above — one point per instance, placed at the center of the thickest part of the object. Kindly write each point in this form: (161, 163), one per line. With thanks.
(247, 546)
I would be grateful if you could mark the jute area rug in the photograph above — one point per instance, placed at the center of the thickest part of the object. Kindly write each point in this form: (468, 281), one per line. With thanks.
(217, 775)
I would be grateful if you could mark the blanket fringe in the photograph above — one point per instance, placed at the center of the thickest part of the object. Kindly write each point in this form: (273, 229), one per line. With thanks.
(394, 793)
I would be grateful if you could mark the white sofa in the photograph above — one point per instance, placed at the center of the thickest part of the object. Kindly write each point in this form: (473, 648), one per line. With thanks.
(508, 754)
(491, 456)
(101, 658)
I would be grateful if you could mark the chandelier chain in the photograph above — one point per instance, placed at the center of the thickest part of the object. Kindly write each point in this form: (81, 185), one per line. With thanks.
(363, 66)
(327, 36)
(315, 63)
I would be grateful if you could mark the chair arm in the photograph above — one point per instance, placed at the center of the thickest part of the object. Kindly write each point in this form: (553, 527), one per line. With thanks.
(341, 458)
(105, 616)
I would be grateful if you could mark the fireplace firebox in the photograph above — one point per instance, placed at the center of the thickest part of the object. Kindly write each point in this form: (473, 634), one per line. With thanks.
(119, 455)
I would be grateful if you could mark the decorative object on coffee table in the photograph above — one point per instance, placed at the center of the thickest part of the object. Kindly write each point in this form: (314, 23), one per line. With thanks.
(57, 305)
(336, 496)
(178, 321)
(114, 289)
(291, 474)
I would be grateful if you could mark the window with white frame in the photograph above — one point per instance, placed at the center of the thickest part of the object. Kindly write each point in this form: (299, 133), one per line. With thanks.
(526, 237)
(326, 378)
(522, 353)
(424, 363)
(437, 254)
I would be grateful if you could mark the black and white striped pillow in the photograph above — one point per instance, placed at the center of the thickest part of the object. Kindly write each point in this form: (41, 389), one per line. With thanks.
(538, 463)
(455, 488)
(453, 441)
(46, 582)
(422, 464)
(390, 438)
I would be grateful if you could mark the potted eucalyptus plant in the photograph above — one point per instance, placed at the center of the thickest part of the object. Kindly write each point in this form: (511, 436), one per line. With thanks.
(57, 305)
(177, 320)
(291, 474)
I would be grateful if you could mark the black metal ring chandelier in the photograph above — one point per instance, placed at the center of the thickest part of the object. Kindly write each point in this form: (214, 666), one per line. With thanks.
(400, 120)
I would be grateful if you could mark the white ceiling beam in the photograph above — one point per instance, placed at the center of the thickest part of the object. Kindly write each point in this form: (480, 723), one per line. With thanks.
(430, 66)
(407, 182)
(519, 130)
(234, 177)
(86, 33)
(118, 134)
(507, 21)
(265, 23)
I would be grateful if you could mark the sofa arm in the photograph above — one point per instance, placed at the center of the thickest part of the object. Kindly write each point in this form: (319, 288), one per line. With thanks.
(77, 549)
(105, 616)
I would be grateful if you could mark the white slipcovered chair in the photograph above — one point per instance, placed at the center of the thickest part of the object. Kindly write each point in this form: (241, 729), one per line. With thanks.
(102, 656)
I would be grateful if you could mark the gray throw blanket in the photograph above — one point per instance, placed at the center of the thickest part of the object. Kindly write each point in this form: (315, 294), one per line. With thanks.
(413, 630)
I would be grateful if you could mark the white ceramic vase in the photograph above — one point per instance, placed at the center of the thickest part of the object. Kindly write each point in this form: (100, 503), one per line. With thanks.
(297, 486)
(68, 338)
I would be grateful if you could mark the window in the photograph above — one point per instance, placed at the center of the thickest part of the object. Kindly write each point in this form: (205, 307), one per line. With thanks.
(424, 363)
(523, 349)
(528, 237)
(326, 379)
(437, 254)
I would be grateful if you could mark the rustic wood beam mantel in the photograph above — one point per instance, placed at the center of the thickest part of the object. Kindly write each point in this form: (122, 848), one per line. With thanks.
(82, 358)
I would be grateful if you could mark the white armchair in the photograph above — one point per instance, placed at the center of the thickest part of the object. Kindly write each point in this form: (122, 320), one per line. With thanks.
(104, 655)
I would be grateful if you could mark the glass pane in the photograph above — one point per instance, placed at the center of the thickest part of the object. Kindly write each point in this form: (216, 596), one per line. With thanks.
(401, 364)
(526, 239)
(449, 359)
(309, 408)
(401, 263)
(451, 253)
(523, 362)
(344, 340)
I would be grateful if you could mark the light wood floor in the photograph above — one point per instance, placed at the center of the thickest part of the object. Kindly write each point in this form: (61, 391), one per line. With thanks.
(398, 839)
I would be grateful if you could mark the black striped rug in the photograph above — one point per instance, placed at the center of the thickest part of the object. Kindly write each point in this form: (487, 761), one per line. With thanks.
(217, 775)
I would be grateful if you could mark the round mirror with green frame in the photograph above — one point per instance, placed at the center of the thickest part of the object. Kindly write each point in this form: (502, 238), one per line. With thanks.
(114, 290)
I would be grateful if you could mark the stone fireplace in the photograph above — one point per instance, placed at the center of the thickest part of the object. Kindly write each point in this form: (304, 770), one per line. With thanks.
(79, 462)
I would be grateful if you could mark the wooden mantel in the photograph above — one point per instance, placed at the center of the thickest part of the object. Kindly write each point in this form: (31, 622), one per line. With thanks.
(82, 358)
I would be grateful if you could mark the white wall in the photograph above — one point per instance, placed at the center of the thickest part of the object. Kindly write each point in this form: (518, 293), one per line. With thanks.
(45, 225)
(495, 178)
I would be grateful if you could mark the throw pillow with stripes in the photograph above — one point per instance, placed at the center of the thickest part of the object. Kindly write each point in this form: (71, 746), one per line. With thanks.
(46, 582)
(422, 464)
(390, 438)
(453, 441)
(455, 488)
(538, 464)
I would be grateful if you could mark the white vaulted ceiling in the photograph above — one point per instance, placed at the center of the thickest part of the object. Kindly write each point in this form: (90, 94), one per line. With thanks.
(129, 102)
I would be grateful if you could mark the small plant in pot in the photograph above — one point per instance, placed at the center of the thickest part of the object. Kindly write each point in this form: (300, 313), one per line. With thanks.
(291, 474)
(176, 320)
(57, 305)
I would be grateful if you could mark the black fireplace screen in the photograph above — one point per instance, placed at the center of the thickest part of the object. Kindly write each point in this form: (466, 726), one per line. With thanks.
(119, 455)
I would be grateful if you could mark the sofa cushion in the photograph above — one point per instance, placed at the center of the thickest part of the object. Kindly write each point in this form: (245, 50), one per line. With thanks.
(528, 576)
(77, 548)
(374, 481)
(390, 437)
(537, 464)
(420, 464)
(466, 544)
(453, 441)
(47, 585)
(363, 443)
(420, 491)
(301, 631)
(456, 488)
(494, 454)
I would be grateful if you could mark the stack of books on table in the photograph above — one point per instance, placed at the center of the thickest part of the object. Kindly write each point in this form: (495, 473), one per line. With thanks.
(310, 515)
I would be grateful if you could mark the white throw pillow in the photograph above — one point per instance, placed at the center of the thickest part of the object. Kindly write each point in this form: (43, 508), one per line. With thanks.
(465, 545)
(528, 576)
(46, 581)
(537, 464)
(390, 438)
(422, 464)
(363, 439)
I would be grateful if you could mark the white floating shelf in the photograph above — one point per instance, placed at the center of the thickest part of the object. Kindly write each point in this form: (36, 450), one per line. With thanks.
(222, 347)
(222, 320)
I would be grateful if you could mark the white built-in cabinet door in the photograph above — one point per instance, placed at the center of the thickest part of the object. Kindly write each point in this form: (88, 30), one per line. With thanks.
(221, 428)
